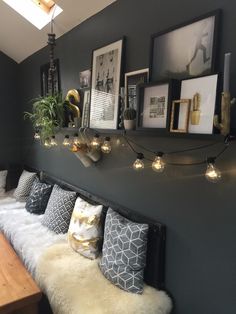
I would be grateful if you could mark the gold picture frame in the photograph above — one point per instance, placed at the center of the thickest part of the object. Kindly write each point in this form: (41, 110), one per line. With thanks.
(180, 112)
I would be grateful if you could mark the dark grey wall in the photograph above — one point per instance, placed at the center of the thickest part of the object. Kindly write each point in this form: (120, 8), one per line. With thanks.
(9, 111)
(200, 217)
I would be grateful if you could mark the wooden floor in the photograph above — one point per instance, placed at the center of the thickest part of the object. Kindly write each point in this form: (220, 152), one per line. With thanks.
(18, 291)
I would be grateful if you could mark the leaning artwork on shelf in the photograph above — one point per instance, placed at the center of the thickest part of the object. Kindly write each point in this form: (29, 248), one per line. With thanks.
(188, 50)
(203, 93)
(132, 80)
(154, 101)
(106, 72)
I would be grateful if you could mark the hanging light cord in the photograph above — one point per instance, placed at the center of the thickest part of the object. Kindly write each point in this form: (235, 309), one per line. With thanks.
(128, 141)
(173, 152)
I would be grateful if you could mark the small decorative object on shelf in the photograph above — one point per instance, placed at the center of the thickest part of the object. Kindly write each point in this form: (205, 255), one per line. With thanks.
(180, 116)
(158, 164)
(106, 146)
(138, 164)
(212, 173)
(224, 125)
(129, 118)
(72, 111)
(196, 112)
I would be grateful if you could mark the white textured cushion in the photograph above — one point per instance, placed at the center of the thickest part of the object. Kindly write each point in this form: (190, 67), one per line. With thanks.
(3, 177)
(24, 185)
(85, 232)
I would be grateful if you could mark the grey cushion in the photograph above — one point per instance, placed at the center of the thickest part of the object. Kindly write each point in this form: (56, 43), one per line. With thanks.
(59, 210)
(124, 252)
(38, 198)
(24, 185)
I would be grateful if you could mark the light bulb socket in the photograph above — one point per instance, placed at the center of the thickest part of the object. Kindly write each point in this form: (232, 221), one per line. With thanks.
(107, 138)
(140, 156)
(160, 154)
(53, 136)
(67, 136)
(76, 135)
(211, 160)
(96, 135)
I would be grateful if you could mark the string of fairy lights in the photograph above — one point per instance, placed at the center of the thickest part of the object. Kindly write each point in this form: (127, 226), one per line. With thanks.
(159, 162)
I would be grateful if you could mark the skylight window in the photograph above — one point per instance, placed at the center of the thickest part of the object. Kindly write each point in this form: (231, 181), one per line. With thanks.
(37, 12)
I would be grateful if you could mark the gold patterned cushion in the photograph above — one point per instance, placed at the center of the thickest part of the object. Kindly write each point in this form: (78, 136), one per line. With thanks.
(85, 232)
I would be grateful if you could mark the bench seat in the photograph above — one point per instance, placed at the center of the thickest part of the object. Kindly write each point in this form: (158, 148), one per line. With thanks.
(72, 283)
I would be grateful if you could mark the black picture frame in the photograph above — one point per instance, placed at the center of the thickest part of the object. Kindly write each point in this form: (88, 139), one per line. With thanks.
(99, 123)
(132, 80)
(172, 94)
(164, 60)
(44, 71)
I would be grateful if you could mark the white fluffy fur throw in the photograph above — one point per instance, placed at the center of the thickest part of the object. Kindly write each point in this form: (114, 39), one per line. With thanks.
(75, 285)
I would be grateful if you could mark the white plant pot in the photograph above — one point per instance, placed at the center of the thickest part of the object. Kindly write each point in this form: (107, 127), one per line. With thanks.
(129, 124)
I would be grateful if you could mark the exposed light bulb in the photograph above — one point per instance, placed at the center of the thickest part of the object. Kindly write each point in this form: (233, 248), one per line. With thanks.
(66, 141)
(212, 174)
(138, 164)
(158, 164)
(76, 140)
(106, 146)
(95, 143)
(36, 135)
(47, 143)
(53, 141)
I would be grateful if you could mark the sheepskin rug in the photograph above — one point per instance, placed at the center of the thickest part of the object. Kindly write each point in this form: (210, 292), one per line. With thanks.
(25, 232)
(75, 285)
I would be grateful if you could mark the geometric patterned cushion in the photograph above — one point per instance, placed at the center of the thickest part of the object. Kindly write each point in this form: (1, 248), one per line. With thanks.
(38, 198)
(24, 185)
(85, 232)
(124, 252)
(59, 209)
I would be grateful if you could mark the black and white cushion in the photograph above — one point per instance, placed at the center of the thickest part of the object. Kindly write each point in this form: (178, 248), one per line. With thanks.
(3, 178)
(38, 198)
(59, 210)
(124, 252)
(24, 185)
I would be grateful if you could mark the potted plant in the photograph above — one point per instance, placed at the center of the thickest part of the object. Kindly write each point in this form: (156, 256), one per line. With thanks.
(47, 115)
(129, 118)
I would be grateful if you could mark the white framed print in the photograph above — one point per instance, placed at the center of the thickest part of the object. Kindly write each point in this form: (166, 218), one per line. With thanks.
(105, 86)
(203, 93)
(154, 104)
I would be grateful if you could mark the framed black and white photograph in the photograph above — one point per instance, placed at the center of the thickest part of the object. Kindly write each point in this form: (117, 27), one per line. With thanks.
(186, 50)
(203, 94)
(86, 109)
(180, 116)
(132, 80)
(85, 79)
(154, 101)
(105, 86)
(46, 87)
